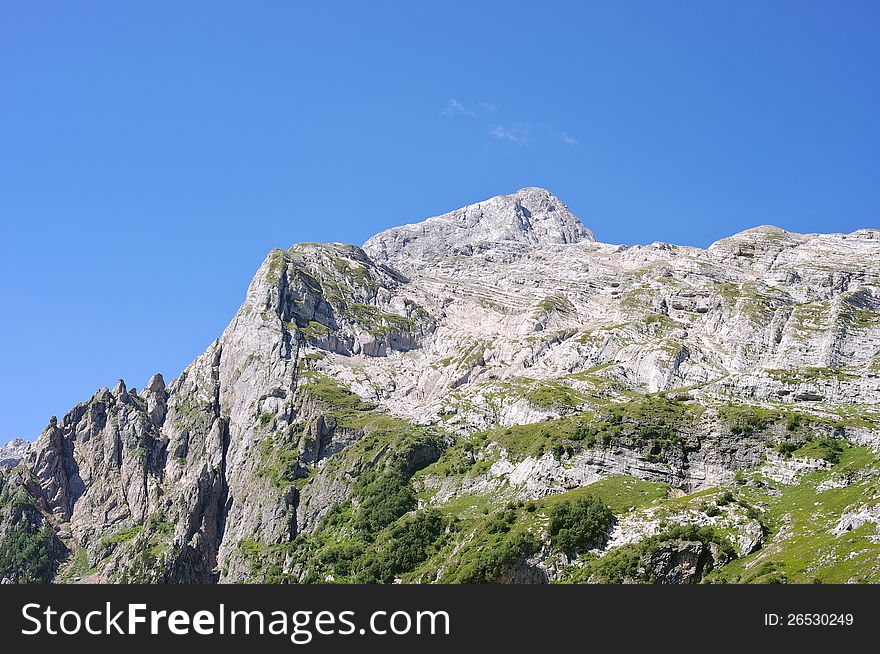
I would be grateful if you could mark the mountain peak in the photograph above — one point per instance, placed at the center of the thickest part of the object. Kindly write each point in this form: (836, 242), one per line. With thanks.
(531, 216)
(13, 452)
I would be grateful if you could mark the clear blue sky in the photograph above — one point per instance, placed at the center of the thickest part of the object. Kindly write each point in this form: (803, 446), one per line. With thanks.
(152, 153)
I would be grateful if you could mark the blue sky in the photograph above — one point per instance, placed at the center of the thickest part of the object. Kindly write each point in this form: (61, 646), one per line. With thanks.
(152, 153)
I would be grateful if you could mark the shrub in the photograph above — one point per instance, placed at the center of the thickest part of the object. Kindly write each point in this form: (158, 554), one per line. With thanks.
(786, 448)
(793, 422)
(502, 521)
(384, 497)
(409, 543)
(745, 420)
(826, 448)
(489, 566)
(580, 524)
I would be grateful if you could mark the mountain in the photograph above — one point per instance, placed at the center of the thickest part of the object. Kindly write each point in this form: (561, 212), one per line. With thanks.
(13, 452)
(489, 395)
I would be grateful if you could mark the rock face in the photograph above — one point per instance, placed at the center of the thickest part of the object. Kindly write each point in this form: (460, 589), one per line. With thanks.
(532, 216)
(682, 562)
(497, 351)
(13, 452)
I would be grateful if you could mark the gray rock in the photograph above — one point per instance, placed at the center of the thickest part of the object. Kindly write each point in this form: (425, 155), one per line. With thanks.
(13, 452)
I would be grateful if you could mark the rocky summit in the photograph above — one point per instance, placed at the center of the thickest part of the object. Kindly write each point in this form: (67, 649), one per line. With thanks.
(490, 395)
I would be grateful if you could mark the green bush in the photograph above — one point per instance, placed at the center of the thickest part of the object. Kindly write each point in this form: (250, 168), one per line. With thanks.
(725, 498)
(406, 545)
(793, 422)
(655, 419)
(825, 448)
(580, 524)
(711, 510)
(745, 420)
(343, 558)
(786, 448)
(502, 521)
(384, 497)
(491, 565)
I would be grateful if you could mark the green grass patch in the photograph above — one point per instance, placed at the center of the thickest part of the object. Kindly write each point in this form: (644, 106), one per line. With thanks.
(122, 536)
(801, 547)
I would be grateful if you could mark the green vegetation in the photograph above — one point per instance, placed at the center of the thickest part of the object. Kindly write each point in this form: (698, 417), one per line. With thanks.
(158, 525)
(386, 528)
(522, 441)
(554, 395)
(621, 493)
(338, 401)
(755, 304)
(799, 427)
(312, 330)
(825, 448)
(151, 553)
(803, 545)
(384, 437)
(556, 303)
(809, 319)
(396, 550)
(579, 525)
(809, 374)
(656, 419)
(122, 536)
(493, 564)
(654, 422)
(861, 319)
(377, 323)
(277, 263)
(491, 548)
(744, 420)
(280, 458)
(357, 274)
(26, 553)
(77, 568)
(373, 536)
(469, 357)
(405, 545)
(265, 419)
(557, 394)
(383, 496)
(143, 565)
(660, 320)
(457, 459)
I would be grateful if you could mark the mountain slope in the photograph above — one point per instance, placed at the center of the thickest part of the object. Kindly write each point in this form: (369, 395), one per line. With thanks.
(421, 409)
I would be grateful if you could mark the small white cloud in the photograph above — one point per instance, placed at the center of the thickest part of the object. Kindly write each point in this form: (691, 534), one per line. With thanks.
(456, 108)
(488, 107)
(518, 134)
(568, 140)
